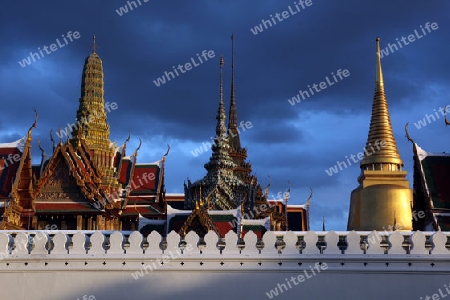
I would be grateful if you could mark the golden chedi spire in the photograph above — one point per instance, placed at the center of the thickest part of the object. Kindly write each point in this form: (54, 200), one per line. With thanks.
(380, 147)
(383, 193)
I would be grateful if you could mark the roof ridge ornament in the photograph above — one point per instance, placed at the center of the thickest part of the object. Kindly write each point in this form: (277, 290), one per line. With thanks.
(308, 202)
(139, 147)
(34, 124)
(445, 116)
(407, 133)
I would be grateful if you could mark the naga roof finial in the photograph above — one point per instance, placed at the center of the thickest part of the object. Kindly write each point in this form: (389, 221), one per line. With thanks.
(308, 202)
(445, 116)
(34, 124)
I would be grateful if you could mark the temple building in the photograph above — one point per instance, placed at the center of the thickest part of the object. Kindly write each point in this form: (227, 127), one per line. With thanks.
(383, 198)
(90, 183)
(431, 205)
(229, 197)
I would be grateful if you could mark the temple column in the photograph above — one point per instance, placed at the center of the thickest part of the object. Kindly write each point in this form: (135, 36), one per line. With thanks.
(89, 227)
(79, 222)
(100, 222)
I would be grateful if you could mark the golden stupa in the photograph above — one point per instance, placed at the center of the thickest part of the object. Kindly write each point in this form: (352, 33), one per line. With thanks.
(383, 198)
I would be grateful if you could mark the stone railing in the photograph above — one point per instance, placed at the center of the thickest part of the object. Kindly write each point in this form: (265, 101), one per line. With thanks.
(87, 260)
(129, 244)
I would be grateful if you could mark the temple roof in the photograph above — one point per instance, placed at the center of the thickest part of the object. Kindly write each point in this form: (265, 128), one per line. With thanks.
(8, 166)
(435, 172)
(84, 172)
(19, 144)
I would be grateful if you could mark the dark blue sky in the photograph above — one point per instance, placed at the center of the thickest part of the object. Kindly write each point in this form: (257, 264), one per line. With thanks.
(289, 143)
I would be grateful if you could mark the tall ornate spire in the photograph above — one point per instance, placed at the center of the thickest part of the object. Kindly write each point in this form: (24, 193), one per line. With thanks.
(235, 141)
(220, 166)
(91, 126)
(91, 115)
(383, 193)
(237, 153)
(381, 148)
(220, 149)
(220, 127)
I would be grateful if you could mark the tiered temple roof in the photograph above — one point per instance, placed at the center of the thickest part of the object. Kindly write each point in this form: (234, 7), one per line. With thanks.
(229, 184)
(87, 182)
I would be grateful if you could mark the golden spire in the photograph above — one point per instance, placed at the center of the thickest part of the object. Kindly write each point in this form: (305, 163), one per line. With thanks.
(94, 44)
(383, 193)
(379, 79)
(381, 147)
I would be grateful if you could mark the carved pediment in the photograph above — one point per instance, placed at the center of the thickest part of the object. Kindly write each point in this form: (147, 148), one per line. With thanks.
(60, 186)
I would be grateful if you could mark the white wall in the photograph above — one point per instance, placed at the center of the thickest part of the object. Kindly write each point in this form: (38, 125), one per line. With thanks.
(71, 271)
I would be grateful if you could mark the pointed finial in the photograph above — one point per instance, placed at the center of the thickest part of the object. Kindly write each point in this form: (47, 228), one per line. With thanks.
(235, 141)
(52, 140)
(323, 223)
(34, 124)
(139, 147)
(445, 116)
(40, 148)
(379, 78)
(60, 136)
(221, 78)
(220, 128)
(94, 44)
(168, 150)
(266, 193)
(287, 194)
(407, 133)
(232, 50)
(308, 203)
